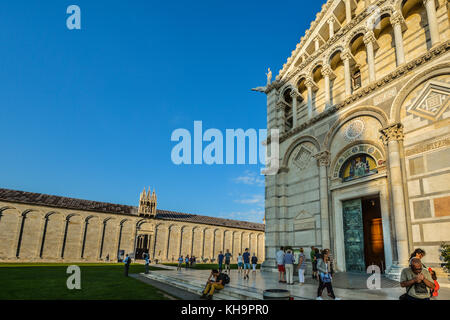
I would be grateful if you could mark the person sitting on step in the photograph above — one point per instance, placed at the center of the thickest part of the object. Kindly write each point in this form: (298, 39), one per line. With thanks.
(219, 282)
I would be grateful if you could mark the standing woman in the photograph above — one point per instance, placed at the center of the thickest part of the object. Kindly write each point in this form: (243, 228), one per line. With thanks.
(419, 254)
(240, 262)
(301, 267)
(289, 266)
(324, 276)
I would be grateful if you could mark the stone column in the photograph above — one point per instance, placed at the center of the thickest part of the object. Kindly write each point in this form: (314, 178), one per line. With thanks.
(232, 243)
(328, 74)
(192, 241)
(316, 44)
(432, 21)
(310, 85)
(398, 22)
(203, 244)
(323, 161)
(391, 136)
(294, 95)
(348, 11)
(331, 27)
(370, 41)
(181, 240)
(345, 57)
(242, 237)
(169, 230)
(155, 242)
(223, 241)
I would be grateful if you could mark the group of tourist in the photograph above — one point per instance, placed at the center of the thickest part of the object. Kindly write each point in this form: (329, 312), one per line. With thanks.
(322, 266)
(189, 262)
(244, 262)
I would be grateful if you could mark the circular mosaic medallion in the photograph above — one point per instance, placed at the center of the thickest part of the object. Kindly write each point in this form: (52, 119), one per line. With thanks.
(354, 130)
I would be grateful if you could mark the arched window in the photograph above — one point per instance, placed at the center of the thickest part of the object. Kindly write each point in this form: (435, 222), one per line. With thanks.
(358, 166)
(288, 110)
(356, 78)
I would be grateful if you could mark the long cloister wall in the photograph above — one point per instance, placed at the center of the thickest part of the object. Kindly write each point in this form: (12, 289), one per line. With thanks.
(41, 233)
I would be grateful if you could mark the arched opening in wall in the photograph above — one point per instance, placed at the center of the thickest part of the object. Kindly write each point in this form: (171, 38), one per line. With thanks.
(288, 115)
(338, 83)
(319, 94)
(9, 223)
(302, 106)
(417, 38)
(359, 68)
(356, 78)
(385, 57)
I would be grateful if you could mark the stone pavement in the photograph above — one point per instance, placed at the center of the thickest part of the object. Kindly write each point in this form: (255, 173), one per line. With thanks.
(347, 286)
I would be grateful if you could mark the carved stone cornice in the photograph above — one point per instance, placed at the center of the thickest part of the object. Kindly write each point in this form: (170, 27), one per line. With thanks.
(365, 91)
(392, 132)
(323, 158)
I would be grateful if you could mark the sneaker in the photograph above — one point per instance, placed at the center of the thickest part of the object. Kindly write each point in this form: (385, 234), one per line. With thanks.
(209, 297)
(337, 298)
(319, 298)
(203, 296)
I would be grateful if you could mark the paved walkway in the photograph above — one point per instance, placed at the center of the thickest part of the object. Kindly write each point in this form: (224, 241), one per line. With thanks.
(347, 286)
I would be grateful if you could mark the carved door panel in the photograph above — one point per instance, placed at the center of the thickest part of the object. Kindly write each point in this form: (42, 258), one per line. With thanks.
(353, 236)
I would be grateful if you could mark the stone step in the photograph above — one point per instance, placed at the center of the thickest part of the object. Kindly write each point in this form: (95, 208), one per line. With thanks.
(228, 293)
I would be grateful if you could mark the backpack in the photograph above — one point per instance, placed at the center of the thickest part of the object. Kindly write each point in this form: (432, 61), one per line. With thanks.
(226, 278)
(128, 261)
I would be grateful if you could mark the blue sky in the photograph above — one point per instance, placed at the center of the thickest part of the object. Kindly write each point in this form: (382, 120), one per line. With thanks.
(89, 113)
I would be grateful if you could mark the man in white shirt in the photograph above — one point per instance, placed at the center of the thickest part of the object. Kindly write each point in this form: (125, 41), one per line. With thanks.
(280, 263)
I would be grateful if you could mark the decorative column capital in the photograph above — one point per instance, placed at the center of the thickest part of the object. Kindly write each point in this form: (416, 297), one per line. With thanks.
(369, 38)
(294, 94)
(346, 55)
(331, 20)
(393, 132)
(327, 71)
(397, 19)
(323, 158)
(309, 83)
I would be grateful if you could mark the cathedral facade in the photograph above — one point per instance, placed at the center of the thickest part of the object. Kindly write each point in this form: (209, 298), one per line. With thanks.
(37, 227)
(362, 107)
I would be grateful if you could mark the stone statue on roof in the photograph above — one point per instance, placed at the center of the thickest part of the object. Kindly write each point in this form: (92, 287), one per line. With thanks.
(269, 76)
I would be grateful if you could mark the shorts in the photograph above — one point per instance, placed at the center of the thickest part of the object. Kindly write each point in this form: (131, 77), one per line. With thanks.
(281, 268)
(227, 262)
(246, 265)
(240, 264)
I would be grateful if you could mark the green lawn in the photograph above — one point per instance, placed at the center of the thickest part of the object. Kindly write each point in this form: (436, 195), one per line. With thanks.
(98, 282)
(207, 266)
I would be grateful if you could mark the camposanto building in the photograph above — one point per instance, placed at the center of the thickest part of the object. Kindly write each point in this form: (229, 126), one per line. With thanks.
(362, 106)
(37, 227)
